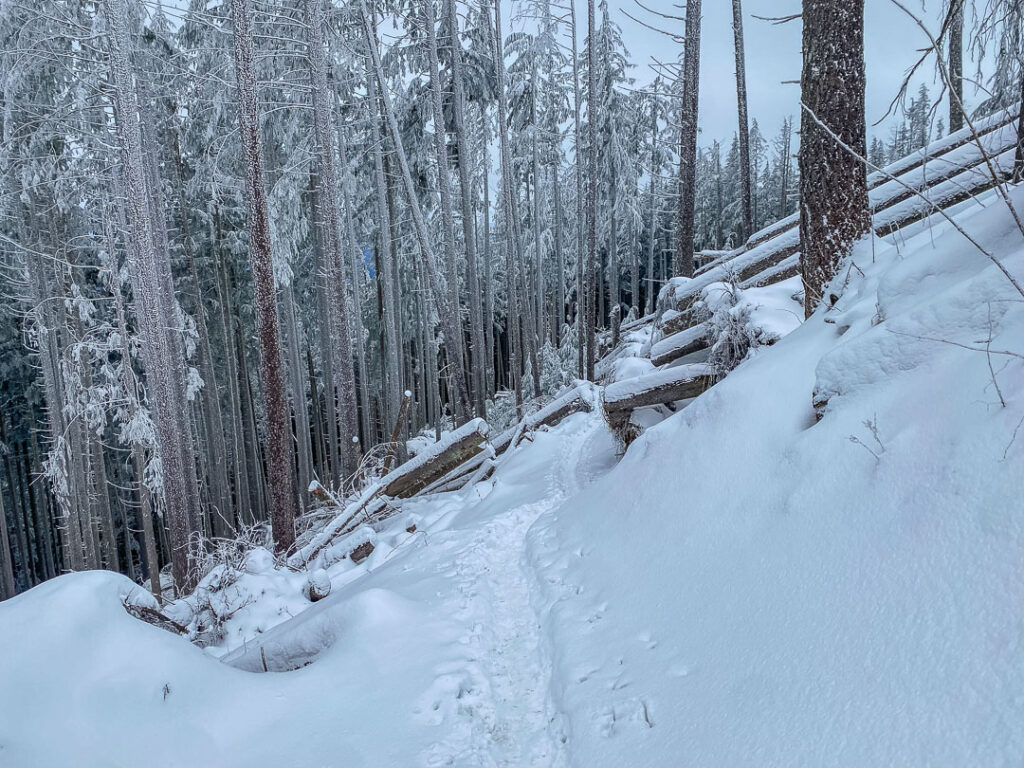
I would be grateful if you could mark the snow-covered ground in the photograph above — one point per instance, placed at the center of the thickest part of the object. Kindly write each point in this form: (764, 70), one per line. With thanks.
(749, 585)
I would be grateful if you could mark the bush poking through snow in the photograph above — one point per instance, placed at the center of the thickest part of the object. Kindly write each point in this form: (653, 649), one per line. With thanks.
(741, 321)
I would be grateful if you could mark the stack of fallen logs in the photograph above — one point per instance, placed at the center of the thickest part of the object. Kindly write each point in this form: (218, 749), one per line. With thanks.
(463, 458)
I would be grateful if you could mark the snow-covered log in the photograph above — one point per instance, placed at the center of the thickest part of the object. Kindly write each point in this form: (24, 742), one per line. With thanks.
(657, 388)
(573, 401)
(436, 461)
(679, 345)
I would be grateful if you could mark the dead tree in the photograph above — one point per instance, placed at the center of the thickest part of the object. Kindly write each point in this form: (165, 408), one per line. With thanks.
(834, 210)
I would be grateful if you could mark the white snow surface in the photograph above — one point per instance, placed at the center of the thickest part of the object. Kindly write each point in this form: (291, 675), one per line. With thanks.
(746, 587)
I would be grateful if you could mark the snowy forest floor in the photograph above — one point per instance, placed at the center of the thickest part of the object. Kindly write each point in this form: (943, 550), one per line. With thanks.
(748, 585)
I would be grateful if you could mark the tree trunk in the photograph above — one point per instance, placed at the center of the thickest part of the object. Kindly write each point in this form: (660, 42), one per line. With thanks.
(1018, 161)
(153, 289)
(280, 447)
(330, 209)
(956, 65)
(453, 347)
(744, 123)
(591, 257)
(478, 357)
(834, 211)
(446, 312)
(652, 230)
(688, 142)
(392, 360)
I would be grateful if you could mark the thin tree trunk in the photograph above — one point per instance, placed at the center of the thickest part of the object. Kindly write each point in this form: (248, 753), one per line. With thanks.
(154, 294)
(582, 302)
(446, 312)
(455, 349)
(478, 357)
(591, 256)
(956, 65)
(1018, 162)
(652, 229)
(392, 359)
(688, 142)
(744, 123)
(834, 211)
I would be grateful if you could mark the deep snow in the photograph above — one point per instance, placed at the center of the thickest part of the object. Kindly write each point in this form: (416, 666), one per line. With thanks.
(747, 586)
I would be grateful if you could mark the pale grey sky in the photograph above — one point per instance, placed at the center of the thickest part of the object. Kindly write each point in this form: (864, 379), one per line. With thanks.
(892, 41)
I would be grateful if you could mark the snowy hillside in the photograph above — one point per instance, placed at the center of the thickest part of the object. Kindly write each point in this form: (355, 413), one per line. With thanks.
(817, 562)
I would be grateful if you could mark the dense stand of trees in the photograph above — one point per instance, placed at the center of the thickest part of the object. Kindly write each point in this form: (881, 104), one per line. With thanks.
(233, 238)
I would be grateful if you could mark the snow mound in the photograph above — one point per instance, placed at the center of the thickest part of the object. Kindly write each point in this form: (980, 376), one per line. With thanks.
(754, 586)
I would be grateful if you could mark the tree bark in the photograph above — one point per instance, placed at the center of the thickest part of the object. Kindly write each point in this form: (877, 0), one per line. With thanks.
(280, 448)
(591, 257)
(153, 289)
(688, 142)
(834, 210)
(956, 65)
(744, 123)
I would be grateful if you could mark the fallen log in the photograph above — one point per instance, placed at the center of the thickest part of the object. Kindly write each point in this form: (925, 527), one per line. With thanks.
(573, 401)
(678, 345)
(436, 461)
(657, 388)
(403, 482)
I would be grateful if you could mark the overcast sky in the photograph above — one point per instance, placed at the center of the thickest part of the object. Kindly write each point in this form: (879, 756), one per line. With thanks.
(773, 55)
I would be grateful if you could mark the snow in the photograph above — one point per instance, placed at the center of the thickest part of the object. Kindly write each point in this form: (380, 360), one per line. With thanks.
(749, 585)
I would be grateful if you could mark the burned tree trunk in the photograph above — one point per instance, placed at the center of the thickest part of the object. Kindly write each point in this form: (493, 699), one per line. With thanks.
(834, 211)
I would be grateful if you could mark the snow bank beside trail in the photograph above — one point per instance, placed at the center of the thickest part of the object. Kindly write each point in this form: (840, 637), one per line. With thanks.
(751, 586)
(85, 684)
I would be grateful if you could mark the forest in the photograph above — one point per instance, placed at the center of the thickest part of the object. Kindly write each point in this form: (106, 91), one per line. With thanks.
(449, 382)
(234, 234)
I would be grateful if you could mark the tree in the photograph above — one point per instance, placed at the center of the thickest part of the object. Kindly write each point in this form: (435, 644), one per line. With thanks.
(280, 447)
(834, 210)
(956, 65)
(744, 131)
(688, 141)
(163, 353)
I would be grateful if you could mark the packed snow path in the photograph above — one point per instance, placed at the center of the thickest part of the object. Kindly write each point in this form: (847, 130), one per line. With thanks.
(504, 716)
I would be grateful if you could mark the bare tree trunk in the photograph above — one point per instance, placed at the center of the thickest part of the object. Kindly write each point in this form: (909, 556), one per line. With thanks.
(339, 312)
(162, 350)
(956, 65)
(217, 452)
(652, 230)
(393, 363)
(242, 500)
(446, 312)
(453, 347)
(582, 300)
(834, 211)
(688, 141)
(1018, 161)
(513, 246)
(744, 123)
(280, 449)
(787, 129)
(476, 319)
(7, 587)
(354, 265)
(591, 188)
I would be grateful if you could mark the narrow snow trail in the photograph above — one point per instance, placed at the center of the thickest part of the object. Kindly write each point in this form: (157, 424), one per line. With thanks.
(505, 716)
